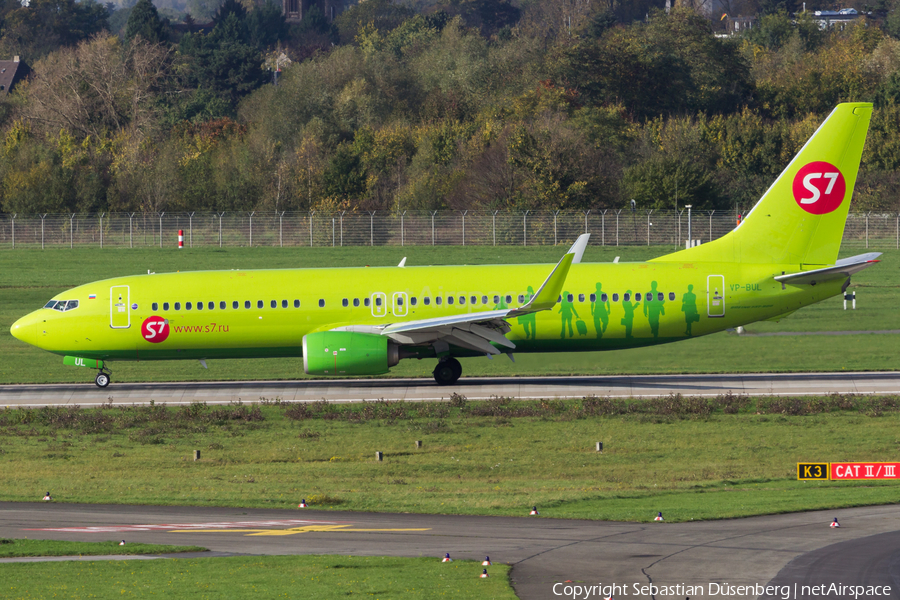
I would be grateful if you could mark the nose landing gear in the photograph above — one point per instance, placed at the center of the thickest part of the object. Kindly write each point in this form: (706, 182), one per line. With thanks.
(103, 378)
(447, 371)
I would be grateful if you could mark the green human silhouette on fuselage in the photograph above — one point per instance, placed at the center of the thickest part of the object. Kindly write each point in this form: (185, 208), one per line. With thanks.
(629, 307)
(567, 309)
(529, 321)
(600, 310)
(689, 308)
(653, 308)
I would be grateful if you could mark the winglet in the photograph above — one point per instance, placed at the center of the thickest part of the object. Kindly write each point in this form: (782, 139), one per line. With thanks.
(402, 262)
(578, 247)
(548, 294)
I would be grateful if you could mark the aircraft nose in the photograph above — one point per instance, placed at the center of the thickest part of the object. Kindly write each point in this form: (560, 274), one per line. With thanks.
(25, 329)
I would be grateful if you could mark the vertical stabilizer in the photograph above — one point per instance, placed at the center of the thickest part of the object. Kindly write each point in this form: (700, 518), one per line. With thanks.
(800, 219)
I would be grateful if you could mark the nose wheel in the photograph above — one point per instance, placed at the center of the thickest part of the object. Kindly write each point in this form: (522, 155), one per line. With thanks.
(447, 371)
(102, 379)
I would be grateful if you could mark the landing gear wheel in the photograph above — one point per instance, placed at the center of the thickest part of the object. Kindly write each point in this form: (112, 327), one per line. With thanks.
(102, 380)
(447, 372)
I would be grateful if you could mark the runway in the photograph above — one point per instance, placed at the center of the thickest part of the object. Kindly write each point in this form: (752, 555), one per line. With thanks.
(474, 388)
(772, 550)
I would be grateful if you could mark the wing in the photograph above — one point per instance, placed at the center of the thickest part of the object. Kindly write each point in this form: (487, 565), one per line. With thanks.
(479, 331)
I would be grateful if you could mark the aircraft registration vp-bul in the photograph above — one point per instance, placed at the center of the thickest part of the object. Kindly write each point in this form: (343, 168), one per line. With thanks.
(363, 321)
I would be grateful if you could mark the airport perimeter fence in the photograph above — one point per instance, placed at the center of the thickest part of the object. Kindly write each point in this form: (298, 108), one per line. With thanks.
(438, 228)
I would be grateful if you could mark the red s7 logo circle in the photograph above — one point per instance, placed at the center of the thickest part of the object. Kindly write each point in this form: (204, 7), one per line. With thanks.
(819, 188)
(155, 329)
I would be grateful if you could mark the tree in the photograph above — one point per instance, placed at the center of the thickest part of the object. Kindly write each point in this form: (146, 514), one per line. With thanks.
(36, 28)
(144, 21)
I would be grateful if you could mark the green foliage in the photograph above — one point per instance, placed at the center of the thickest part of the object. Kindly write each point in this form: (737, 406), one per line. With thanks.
(143, 20)
(43, 26)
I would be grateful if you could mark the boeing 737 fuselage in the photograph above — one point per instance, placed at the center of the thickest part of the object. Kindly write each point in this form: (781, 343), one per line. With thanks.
(362, 321)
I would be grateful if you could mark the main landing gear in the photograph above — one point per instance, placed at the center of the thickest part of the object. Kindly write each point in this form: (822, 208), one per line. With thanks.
(447, 371)
(103, 378)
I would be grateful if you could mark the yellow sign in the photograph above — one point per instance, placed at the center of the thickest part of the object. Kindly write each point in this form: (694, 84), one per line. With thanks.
(812, 471)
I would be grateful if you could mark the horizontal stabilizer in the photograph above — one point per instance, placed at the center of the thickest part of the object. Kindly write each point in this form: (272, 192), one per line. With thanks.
(841, 270)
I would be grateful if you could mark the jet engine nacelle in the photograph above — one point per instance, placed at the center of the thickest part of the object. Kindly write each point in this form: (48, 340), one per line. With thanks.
(348, 353)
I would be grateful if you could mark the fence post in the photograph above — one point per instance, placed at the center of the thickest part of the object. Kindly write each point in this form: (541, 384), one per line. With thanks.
(14, 230)
(603, 226)
(42, 230)
(342, 228)
(434, 212)
(190, 230)
(710, 224)
(311, 214)
(220, 227)
(332, 232)
(898, 231)
(251, 228)
(649, 212)
(372, 227)
(494, 226)
(525, 228)
(586, 220)
(281, 230)
(130, 230)
(160, 230)
(464, 227)
(72, 230)
(867, 229)
(555, 215)
(618, 212)
(402, 215)
(101, 230)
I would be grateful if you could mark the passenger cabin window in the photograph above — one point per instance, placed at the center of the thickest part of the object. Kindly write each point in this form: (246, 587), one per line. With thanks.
(178, 306)
(199, 306)
(296, 304)
(165, 306)
(626, 297)
(438, 300)
(187, 306)
(399, 300)
(246, 304)
(427, 300)
(508, 298)
(671, 295)
(462, 299)
(222, 305)
(615, 297)
(321, 303)
(569, 297)
(604, 298)
(284, 304)
(473, 300)
(345, 303)
(496, 299)
(356, 302)
(378, 301)
(449, 299)
(235, 305)
(484, 299)
(581, 297)
(521, 298)
(259, 304)
(273, 303)
(593, 297)
(659, 296)
(637, 297)
(154, 306)
(366, 302)
(413, 301)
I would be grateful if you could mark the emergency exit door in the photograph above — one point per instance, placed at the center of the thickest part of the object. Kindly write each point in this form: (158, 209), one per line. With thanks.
(119, 307)
(715, 295)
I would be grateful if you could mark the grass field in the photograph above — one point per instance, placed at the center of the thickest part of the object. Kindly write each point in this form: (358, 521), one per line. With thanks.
(19, 548)
(320, 577)
(691, 458)
(29, 277)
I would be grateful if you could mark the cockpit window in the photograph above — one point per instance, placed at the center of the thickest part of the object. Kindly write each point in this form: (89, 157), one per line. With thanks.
(62, 305)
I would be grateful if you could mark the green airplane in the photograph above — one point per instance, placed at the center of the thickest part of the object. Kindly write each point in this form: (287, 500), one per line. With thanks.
(363, 321)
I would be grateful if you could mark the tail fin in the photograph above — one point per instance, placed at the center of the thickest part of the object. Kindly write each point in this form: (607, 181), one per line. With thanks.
(800, 219)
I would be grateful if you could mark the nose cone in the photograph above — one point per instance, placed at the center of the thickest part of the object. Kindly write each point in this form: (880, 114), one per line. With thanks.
(25, 329)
